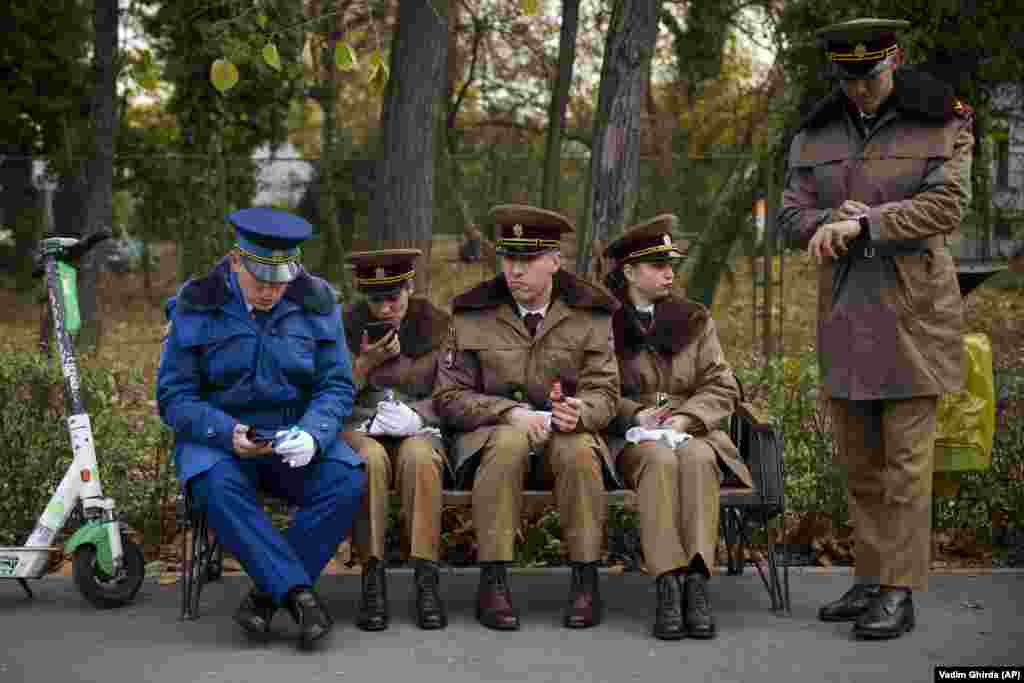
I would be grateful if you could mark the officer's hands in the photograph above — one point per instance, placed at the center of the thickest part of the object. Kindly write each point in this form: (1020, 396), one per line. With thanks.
(394, 418)
(679, 423)
(536, 425)
(380, 351)
(565, 414)
(651, 418)
(297, 447)
(851, 209)
(245, 448)
(830, 241)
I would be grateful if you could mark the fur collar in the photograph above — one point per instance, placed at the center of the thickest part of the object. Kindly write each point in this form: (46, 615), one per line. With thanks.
(423, 329)
(574, 291)
(214, 291)
(915, 94)
(677, 322)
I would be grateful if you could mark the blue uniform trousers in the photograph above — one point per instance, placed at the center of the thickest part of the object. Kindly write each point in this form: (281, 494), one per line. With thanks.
(327, 492)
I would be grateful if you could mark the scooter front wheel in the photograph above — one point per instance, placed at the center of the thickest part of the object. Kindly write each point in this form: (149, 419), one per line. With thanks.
(105, 591)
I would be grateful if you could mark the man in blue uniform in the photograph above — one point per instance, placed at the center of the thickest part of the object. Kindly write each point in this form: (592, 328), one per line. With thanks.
(255, 379)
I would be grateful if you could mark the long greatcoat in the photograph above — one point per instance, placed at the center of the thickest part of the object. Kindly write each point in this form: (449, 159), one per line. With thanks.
(682, 358)
(890, 312)
(491, 364)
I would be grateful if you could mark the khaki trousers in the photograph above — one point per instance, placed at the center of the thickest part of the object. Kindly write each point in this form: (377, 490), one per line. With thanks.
(678, 494)
(571, 465)
(887, 448)
(414, 467)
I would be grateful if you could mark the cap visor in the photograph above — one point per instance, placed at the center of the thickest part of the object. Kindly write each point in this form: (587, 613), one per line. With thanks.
(858, 70)
(284, 272)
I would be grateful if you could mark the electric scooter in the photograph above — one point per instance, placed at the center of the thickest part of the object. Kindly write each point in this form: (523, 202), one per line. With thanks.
(107, 567)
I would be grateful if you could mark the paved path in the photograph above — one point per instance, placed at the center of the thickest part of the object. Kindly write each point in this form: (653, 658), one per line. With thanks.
(963, 620)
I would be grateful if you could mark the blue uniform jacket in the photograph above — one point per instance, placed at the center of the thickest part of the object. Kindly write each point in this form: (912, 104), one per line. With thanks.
(219, 367)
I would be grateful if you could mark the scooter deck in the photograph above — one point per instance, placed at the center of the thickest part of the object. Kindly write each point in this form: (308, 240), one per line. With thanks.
(20, 562)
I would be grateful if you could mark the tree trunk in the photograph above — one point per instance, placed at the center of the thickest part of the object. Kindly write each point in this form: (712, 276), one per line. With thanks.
(559, 102)
(401, 211)
(331, 256)
(615, 158)
(99, 203)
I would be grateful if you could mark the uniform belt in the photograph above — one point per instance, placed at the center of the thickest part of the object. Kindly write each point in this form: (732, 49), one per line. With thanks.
(869, 250)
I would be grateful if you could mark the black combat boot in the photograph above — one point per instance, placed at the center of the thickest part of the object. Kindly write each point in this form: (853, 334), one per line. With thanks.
(700, 622)
(890, 614)
(255, 613)
(668, 611)
(430, 612)
(585, 608)
(373, 608)
(310, 614)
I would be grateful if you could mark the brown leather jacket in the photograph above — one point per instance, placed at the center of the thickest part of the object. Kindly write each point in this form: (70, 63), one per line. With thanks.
(890, 312)
(491, 364)
(681, 357)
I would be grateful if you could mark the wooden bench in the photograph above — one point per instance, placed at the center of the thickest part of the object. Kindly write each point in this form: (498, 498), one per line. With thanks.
(742, 507)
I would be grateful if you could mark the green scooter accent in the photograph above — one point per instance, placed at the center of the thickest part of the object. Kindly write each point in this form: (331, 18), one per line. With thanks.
(94, 533)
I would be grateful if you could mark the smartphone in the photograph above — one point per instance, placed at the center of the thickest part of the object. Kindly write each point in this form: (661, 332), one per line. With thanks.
(377, 330)
(261, 434)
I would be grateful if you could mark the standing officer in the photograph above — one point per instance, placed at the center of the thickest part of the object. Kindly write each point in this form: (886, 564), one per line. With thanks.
(674, 376)
(879, 176)
(255, 381)
(394, 428)
(512, 338)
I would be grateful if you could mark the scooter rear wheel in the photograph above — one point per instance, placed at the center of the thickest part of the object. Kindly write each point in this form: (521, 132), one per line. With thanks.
(105, 591)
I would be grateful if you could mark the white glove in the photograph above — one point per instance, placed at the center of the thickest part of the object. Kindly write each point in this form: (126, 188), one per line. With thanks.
(394, 418)
(669, 436)
(297, 447)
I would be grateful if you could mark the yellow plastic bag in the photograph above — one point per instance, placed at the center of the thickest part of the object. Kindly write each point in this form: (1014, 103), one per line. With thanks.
(967, 418)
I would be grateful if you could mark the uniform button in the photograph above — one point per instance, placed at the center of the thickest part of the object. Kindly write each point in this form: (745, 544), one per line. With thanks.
(210, 433)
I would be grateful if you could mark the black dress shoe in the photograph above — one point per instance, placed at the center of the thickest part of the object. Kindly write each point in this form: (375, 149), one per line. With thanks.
(890, 615)
(255, 613)
(494, 601)
(585, 607)
(310, 614)
(373, 607)
(700, 622)
(853, 603)
(430, 612)
(668, 611)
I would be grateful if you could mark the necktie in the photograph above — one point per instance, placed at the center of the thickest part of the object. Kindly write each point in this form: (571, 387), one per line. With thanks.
(645, 318)
(532, 321)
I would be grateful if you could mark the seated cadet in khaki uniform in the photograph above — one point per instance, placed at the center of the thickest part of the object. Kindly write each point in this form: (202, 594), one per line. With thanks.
(512, 338)
(674, 376)
(395, 340)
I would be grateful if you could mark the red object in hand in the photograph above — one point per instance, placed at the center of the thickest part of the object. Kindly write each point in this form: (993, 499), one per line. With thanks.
(556, 392)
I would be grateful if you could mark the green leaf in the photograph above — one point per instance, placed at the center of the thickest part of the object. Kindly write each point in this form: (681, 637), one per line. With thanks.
(529, 7)
(261, 20)
(223, 75)
(271, 57)
(345, 57)
(378, 79)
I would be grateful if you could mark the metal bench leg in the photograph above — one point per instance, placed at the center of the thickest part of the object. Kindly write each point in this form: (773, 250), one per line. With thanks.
(769, 585)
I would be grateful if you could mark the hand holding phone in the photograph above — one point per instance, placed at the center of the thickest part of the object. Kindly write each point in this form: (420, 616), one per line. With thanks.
(377, 330)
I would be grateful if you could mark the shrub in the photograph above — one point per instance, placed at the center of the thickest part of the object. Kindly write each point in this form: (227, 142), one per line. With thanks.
(131, 444)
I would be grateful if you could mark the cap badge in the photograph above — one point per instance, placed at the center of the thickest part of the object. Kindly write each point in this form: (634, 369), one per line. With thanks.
(860, 50)
(667, 239)
(380, 273)
(517, 230)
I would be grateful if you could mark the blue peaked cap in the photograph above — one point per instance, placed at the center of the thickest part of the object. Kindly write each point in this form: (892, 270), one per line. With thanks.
(268, 241)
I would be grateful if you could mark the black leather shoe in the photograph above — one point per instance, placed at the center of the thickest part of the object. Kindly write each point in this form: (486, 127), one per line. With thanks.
(890, 615)
(255, 613)
(494, 601)
(700, 622)
(310, 614)
(430, 612)
(373, 607)
(853, 603)
(585, 607)
(668, 611)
